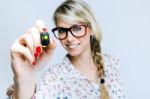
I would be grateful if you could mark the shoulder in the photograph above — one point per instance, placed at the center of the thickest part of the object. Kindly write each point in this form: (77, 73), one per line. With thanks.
(110, 60)
(113, 76)
(112, 65)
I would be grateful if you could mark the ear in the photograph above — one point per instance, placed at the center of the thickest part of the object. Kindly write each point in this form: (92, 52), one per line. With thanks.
(89, 30)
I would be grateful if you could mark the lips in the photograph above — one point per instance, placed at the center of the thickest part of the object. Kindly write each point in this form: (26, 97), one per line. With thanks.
(71, 46)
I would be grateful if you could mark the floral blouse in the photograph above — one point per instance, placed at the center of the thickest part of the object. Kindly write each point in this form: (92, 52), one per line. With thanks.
(64, 81)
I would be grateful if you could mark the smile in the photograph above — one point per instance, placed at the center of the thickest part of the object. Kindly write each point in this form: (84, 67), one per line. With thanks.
(72, 45)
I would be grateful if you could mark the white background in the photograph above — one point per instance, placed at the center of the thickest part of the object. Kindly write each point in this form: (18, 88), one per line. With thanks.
(126, 32)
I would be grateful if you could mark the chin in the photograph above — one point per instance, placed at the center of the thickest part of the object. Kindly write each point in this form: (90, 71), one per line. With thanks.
(74, 53)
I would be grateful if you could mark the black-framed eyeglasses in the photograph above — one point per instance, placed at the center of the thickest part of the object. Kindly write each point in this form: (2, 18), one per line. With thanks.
(76, 30)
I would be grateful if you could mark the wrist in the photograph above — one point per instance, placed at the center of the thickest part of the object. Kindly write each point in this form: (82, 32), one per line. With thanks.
(24, 88)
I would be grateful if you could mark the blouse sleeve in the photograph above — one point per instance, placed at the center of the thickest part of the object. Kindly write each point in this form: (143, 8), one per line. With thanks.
(113, 79)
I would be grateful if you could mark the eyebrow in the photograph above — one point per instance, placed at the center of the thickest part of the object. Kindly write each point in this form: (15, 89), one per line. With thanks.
(70, 26)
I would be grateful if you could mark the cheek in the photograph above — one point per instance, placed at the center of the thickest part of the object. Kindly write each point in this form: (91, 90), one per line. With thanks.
(87, 36)
(85, 40)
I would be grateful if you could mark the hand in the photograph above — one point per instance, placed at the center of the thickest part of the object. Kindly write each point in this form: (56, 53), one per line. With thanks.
(27, 55)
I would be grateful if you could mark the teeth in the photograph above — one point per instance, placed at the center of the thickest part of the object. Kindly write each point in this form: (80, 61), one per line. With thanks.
(73, 46)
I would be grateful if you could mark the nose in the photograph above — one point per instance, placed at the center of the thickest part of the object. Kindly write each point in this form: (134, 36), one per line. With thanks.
(70, 37)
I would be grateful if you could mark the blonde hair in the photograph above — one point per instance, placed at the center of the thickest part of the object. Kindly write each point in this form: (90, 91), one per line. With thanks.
(74, 11)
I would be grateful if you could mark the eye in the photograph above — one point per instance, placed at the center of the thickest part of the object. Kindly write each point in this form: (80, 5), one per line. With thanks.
(61, 30)
(76, 28)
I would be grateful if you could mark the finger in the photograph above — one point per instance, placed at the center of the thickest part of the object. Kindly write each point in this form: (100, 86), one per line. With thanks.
(19, 49)
(51, 46)
(27, 39)
(36, 40)
(41, 25)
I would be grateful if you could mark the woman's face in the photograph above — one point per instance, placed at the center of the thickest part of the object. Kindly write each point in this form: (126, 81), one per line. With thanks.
(75, 46)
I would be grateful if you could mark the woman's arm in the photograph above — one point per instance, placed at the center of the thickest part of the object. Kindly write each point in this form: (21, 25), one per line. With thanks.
(27, 55)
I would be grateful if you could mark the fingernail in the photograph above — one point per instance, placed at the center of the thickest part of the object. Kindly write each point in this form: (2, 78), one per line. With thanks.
(33, 63)
(45, 30)
(36, 55)
(38, 49)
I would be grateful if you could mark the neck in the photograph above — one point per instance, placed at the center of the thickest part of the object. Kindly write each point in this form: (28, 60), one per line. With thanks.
(84, 64)
(83, 61)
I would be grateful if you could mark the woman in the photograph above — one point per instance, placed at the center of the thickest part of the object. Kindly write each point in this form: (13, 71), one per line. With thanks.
(84, 73)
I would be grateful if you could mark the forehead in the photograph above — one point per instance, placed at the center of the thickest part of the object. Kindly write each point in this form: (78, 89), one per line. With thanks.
(66, 24)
